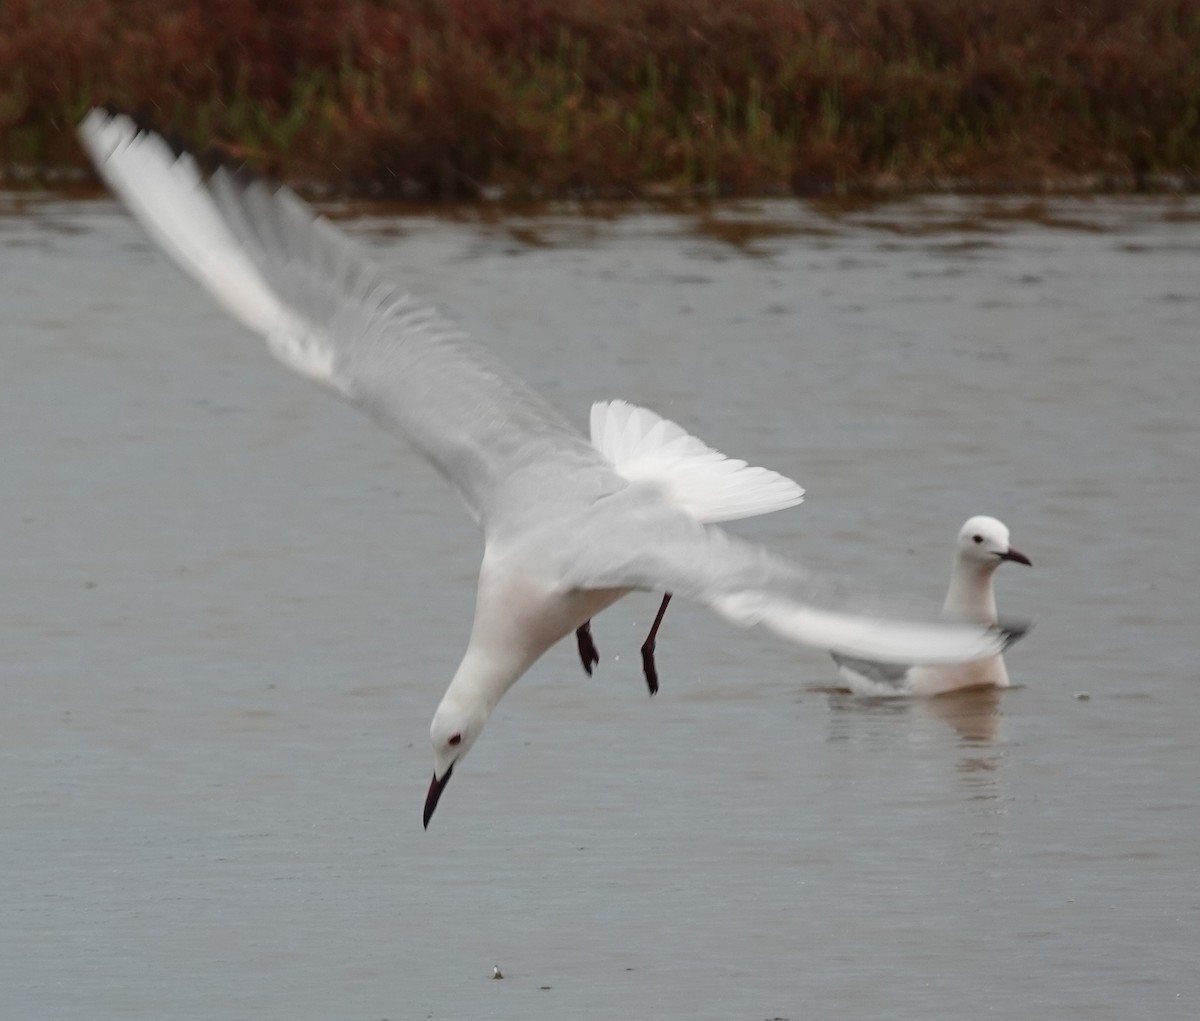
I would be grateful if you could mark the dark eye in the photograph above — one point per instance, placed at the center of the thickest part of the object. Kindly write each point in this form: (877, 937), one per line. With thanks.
(977, 538)
(455, 739)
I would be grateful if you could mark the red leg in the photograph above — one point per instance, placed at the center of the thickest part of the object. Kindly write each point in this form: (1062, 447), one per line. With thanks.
(587, 648)
(648, 648)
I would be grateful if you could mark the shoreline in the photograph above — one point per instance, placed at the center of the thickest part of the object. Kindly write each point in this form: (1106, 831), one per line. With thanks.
(83, 183)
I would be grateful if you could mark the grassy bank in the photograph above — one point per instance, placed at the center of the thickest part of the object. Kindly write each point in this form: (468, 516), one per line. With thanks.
(457, 98)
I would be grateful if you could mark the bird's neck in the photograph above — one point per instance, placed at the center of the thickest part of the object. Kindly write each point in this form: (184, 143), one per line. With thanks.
(483, 676)
(971, 596)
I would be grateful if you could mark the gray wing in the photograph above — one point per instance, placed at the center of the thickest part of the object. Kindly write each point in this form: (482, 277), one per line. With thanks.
(888, 675)
(329, 313)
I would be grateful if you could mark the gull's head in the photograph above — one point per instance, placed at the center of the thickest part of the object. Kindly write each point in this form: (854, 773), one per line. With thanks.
(983, 543)
(456, 725)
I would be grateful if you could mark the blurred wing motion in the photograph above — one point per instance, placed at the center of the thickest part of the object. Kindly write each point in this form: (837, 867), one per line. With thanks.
(559, 518)
(328, 312)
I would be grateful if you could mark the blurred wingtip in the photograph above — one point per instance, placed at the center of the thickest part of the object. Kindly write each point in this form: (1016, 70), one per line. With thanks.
(1013, 630)
(142, 120)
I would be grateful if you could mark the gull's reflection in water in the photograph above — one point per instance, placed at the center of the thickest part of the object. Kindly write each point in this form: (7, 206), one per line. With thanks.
(974, 714)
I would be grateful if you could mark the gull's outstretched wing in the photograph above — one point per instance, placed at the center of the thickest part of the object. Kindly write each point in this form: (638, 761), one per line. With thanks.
(632, 539)
(328, 312)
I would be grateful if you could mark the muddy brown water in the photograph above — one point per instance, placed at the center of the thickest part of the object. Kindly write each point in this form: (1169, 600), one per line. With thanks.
(230, 605)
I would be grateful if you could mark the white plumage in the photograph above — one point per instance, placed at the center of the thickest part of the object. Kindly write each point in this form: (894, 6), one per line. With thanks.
(982, 546)
(565, 535)
(702, 482)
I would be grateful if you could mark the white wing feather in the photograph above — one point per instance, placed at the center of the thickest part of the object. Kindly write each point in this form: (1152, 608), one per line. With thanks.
(636, 540)
(329, 313)
(645, 447)
(165, 192)
(888, 641)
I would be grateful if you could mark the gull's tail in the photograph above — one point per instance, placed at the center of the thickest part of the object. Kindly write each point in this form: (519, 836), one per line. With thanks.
(645, 447)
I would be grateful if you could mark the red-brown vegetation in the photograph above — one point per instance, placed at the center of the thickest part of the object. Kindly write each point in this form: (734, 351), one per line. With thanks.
(454, 98)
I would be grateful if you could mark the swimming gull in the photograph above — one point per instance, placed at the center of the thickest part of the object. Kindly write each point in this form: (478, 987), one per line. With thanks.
(565, 535)
(982, 546)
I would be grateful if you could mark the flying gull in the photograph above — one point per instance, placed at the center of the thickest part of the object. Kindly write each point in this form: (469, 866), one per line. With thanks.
(565, 534)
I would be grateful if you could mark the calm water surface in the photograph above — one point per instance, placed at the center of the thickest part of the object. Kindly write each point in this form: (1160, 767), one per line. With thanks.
(230, 605)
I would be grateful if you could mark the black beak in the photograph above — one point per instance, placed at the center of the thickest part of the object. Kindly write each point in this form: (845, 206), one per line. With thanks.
(1017, 557)
(435, 792)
